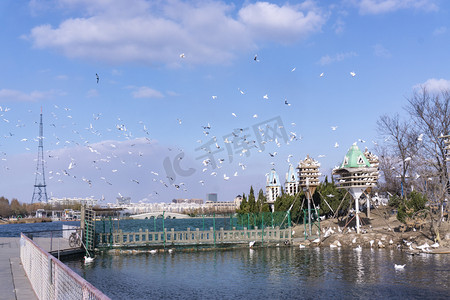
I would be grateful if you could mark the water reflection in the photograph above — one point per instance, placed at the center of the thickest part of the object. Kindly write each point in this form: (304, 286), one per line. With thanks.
(269, 273)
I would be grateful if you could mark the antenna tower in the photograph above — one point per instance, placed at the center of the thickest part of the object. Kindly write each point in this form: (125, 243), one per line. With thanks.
(40, 191)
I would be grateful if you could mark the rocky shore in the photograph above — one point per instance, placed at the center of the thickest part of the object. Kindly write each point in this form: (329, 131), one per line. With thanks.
(381, 230)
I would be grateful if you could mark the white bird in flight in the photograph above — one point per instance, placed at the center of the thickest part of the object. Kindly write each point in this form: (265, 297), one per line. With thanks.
(182, 55)
(234, 115)
(353, 74)
(336, 145)
(266, 97)
(321, 74)
(334, 128)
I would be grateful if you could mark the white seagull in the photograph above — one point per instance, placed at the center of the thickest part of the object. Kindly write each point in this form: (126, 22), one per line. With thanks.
(88, 259)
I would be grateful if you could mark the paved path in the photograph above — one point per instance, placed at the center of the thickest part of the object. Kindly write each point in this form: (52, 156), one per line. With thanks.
(14, 283)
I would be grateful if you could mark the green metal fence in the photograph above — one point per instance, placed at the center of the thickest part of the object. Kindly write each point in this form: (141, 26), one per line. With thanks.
(262, 220)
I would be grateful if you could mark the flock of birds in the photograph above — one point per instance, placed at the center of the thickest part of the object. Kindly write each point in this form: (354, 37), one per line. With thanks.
(120, 153)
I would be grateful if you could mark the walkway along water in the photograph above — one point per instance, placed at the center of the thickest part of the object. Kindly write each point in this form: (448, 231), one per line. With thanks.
(50, 278)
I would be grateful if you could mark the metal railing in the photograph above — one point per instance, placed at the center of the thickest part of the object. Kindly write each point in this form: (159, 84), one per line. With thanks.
(50, 278)
(188, 237)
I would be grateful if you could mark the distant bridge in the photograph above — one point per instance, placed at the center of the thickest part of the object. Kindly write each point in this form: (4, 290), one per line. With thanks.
(159, 214)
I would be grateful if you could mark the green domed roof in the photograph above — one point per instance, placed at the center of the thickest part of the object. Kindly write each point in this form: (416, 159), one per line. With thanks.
(355, 158)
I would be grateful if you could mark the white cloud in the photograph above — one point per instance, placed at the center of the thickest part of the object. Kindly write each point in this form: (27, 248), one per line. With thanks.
(434, 85)
(339, 26)
(146, 92)
(327, 59)
(92, 93)
(19, 96)
(157, 32)
(386, 6)
(172, 93)
(116, 72)
(280, 23)
(62, 77)
(440, 30)
(380, 51)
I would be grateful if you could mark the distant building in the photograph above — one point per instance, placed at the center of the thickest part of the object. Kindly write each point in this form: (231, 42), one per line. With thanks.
(196, 201)
(72, 201)
(238, 201)
(291, 184)
(211, 197)
(221, 206)
(273, 188)
(123, 200)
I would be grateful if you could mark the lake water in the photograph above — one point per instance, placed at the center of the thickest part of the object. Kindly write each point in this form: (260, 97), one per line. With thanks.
(266, 273)
(41, 229)
(269, 273)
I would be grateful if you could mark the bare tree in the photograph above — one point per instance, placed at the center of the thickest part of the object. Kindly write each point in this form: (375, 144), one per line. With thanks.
(5, 209)
(387, 164)
(399, 150)
(430, 113)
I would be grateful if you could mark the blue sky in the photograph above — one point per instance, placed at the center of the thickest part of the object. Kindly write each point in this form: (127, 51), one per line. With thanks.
(162, 62)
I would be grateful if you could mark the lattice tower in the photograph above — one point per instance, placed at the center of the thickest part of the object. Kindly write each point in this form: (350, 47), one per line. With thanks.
(40, 191)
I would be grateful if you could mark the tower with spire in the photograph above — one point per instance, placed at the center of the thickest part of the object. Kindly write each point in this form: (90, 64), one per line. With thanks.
(291, 184)
(273, 188)
(40, 191)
